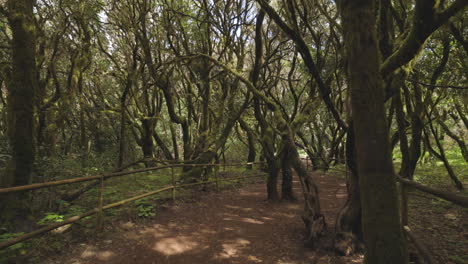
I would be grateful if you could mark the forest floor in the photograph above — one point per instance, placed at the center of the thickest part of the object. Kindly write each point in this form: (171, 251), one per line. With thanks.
(441, 226)
(238, 225)
(232, 226)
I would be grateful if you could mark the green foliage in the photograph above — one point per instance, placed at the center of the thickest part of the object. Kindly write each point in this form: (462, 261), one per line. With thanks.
(8, 236)
(455, 158)
(75, 210)
(145, 208)
(13, 251)
(459, 260)
(51, 218)
(441, 203)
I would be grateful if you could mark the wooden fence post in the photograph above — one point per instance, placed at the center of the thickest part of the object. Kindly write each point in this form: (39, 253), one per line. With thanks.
(215, 170)
(100, 204)
(173, 184)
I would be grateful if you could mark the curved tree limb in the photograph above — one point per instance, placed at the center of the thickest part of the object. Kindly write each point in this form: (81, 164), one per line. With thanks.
(324, 89)
(427, 19)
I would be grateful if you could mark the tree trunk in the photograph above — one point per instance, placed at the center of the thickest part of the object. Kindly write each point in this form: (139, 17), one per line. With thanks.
(348, 237)
(21, 93)
(123, 135)
(147, 144)
(461, 143)
(382, 229)
(160, 142)
(174, 141)
(272, 181)
(313, 219)
(404, 148)
(251, 142)
(417, 127)
(441, 156)
(287, 192)
(287, 182)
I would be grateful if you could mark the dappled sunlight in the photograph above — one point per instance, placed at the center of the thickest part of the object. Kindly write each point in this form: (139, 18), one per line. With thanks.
(157, 231)
(341, 195)
(293, 206)
(175, 245)
(285, 262)
(286, 215)
(105, 255)
(358, 259)
(254, 259)
(245, 209)
(250, 193)
(89, 252)
(93, 252)
(243, 230)
(229, 215)
(251, 221)
(232, 248)
(232, 206)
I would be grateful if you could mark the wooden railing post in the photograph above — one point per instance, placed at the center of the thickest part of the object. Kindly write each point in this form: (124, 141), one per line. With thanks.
(215, 170)
(98, 211)
(100, 204)
(173, 184)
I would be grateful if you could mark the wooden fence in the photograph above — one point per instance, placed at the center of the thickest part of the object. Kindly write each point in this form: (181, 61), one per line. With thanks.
(461, 200)
(405, 185)
(100, 207)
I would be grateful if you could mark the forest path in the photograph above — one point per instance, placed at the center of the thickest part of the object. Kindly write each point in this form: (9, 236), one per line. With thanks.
(233, 226)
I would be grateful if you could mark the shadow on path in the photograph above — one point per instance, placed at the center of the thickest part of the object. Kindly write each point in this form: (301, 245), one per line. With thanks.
(236, 226)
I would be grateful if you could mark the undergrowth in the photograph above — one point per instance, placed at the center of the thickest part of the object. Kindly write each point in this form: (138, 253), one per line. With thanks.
(49, 208)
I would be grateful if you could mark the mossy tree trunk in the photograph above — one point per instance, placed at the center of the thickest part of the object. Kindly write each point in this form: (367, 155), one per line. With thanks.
(129, 83)
(382, 229)
(22, 88)
(349, 222)
(313, 219)
(21, 93)
(250, 141)
(287, 192)
(267, 138)
(417, 126)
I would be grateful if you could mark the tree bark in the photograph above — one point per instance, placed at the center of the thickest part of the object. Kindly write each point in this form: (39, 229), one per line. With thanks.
(21, 93)
(287, 192)
(348, 237)
(250, 140)
(441, 156)
(312, 216)
(382, 229)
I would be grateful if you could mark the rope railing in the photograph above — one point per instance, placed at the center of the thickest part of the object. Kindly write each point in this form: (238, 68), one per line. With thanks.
(100, 207)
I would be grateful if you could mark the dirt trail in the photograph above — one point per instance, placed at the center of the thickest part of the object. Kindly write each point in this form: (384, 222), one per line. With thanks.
(235, 226)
